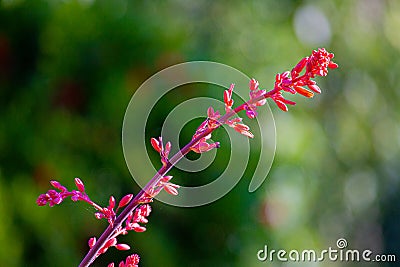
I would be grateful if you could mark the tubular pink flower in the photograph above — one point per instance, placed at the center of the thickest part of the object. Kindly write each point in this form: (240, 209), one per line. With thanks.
(304, 92)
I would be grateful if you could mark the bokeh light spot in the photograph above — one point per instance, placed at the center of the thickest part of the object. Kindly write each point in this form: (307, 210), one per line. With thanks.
(312, 26)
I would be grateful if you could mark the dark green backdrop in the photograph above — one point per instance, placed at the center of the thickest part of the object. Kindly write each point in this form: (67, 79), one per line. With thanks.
(68, 70)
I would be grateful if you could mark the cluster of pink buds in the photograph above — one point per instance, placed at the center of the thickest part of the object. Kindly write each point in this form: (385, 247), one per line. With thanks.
(131, 261)
(236, 123)
(290, 81)
(136, 208)
(228, 98)
(163, 183)
(54, 197)
(208, 125)
(255, 93)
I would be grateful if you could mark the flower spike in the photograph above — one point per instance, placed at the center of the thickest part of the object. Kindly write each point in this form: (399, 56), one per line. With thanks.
(315, 65)
(134, 217)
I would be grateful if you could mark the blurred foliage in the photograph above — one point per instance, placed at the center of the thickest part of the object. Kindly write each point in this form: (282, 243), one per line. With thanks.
(67, 72)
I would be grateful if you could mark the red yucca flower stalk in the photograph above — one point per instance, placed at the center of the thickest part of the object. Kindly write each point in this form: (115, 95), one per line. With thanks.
(136, 208)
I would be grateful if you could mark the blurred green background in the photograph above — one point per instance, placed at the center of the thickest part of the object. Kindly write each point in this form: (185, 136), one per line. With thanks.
(69, 68)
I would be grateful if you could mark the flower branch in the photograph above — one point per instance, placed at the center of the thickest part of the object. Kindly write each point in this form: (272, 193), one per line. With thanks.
(136, 209)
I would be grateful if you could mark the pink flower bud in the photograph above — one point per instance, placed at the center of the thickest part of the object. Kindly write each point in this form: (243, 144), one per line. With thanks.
(58, 186)
(332, 65)
(251, 113)
(281, 105)
(300, 66)
(92, 242)
(314, 88)
(125, 200)
(212, 114)
(156, 144)
(133, 260)
(285, 75)
(253, 84)
(170, 189)
(111, 242)
(301, 90)
(287, 101)
(122, 247)
(111, 203)
(42, 200)
(167, 149)
(79, 184)
(137, 228)
(166, 179)
(103, 250)
(243, 129)
(227, 99)
(145, 209)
